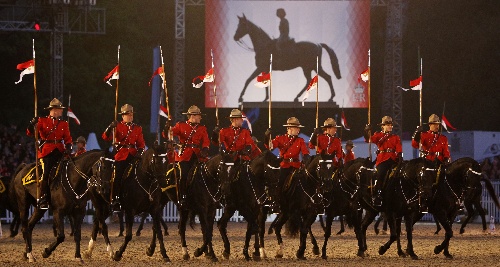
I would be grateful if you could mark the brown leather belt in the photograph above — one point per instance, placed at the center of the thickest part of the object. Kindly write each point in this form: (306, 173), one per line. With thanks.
(125, 146)
(389, 150)
(52, 141)
(291, 160)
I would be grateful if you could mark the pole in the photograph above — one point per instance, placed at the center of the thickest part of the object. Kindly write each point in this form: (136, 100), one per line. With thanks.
(270, 98)
(317, 92)
(170, 135)
(114, 129)
(37, 172)
(369, 107)
(420, 76)
(215, 91)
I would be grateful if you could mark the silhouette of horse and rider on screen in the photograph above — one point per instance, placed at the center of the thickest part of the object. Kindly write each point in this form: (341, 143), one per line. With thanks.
(287, 54)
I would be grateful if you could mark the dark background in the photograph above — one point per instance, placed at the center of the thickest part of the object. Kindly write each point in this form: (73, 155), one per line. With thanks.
(459, 42)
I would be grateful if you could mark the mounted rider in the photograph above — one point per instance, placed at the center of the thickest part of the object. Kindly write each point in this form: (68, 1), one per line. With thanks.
(235, 139)
(349, 154)
(325, 141)
(80, 146)
(128, 145)
(389, 153)
(290, 146)
(433, 146)
(194, 144)
(55, 139)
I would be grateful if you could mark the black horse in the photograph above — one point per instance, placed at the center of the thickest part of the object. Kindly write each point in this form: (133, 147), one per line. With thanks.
(204, 195)
(301, 54)
(68, 196)
(141, 192)
(8, 202)
(301, 201)
(243, 191)
(460, 179)
(342, 195)
(143, 217)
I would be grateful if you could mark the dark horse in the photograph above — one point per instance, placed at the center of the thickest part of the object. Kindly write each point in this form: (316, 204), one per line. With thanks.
(68, 196)
(460, 179)
(204, 194)
(342, 194)
(301, 54)
(300, 203)
(244, 191)
(141, 192)
(8, 202)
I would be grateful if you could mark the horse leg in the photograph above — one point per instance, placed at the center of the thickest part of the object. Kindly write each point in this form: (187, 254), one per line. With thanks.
(262, 230)
(77, 219)
(409, 222)
(470, 213)
(328, 233)
(401, 253)
(315, 248)
(278, 224)
(248, 236)
(165, 226)
(254, 74)
(367, 220)
(377, 222)
(256, 246)
(183, 217)
(342, 227)
(328, 79)
(222, 225)
(447, 225)
(391, 220)
(152, 246)
(72, 225)
(482, 213)
(120, 222)
(438, 226)
(307, 74)
(141, 225)
(157, 225)
(129, 221)
(59, 224)
(14, 226)
(27, 229)
(305, 228)
(209, 229)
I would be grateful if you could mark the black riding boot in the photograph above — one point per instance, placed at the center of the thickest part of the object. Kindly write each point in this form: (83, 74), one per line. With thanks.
(43, 201)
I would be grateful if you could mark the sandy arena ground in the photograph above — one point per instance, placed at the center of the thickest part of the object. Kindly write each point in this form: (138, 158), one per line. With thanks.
(473, 248)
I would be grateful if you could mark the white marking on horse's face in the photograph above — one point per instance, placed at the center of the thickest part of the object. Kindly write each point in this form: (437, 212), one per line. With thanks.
(228, 169)
(328, 166)
(163, 160)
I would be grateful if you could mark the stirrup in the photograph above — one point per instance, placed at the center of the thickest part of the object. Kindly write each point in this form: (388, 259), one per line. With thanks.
(116, 205)
(42, 203)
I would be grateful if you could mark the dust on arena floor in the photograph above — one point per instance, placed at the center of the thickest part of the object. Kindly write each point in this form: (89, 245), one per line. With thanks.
(472, 248)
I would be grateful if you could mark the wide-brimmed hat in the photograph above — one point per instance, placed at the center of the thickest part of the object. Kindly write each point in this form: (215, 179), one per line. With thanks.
(386, 120)
(126, 109)
(236, 113)
(81, 139)
(193, 110)
(349, 143)
(293, 122)
(329, 123)
(55, 103)
(434, 119)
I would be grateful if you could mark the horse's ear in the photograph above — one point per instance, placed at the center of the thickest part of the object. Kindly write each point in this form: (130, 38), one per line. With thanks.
(238, 17)
(245, 17)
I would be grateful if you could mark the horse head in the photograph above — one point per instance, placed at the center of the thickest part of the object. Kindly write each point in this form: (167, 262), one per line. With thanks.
(228, 166)
(420, 176)
(102, 172)
(154, 162)
(464, 175)
(242, 29)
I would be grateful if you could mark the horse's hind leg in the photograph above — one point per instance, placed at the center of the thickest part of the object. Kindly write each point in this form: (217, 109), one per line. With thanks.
(391, 220)
(59, 224)
(409, 236)
(77, 233)
(262, 230)
(328, 78)
(129, 221)
(183, 218)
(328, 233)
(27, 229)
(307, 74)
(447, 236)
(14, 226)
(120, 222)
(152, 246)
(165, 226)
(342, 225)
(254, 74)
(278, 224)
(315, 248)
(159, 234)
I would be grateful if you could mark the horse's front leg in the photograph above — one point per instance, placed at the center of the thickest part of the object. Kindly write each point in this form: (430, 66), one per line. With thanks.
(365, 222)
(222, 225)
(27, 229)
(328, 231)
(447, 225)
(262, 230)
(129, 221)
(392, 221)
(278, 224)
(59, 224)
(183, 218)
(120, 222)
(254, 74)
(409, 222)
(141, 225)
(77, 219)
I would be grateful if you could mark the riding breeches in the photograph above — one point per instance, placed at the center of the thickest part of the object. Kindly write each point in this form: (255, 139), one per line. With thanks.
(185, 171)
(48, 162)
(120, 168)
(383, 171)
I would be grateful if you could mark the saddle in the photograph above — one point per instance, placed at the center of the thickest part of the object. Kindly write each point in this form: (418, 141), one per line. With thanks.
(290, 183)
(30, 176)
(2, 187)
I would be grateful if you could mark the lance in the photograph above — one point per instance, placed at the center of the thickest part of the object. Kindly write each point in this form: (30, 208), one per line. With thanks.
(441, 127)
(37, 172)
(420, 76)
(114, 129)
(369, 107)
(317, 93)
(162, 75)
(270, 98)
(215, 90)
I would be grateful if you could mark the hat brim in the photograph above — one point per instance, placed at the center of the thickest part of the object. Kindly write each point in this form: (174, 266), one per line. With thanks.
(330, 126)
(293, 125)
(236, 117)
(51, 107)
(434, 122)
(187, 113)
(128, 112)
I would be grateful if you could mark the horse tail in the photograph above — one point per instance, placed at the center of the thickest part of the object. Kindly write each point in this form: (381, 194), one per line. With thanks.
(192, 222)
(491, 190)
(333, 59)
(292, 226)
(350, 217)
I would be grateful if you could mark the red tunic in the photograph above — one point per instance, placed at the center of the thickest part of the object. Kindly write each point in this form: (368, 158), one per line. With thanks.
(192, 137)
(79, 152)
(349, 156)
(128, 139)
(290, 148)
(433, 145)
(330, 145)
(389, 145)
(53, 133)
(236, 139)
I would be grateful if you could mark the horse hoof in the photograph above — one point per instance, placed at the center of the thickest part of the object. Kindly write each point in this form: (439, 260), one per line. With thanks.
(279, 256)
(198, 252)
(120, 234)
(377, 231)
(382, 250)
(13, 234)
(226, 255)
(138, 234)
(186, 257)
(438, 249)
(166, 233)
(117, 256)
(448, 255)
(462, 230)
(256, 256)
(46, 253)
(166, 259)
(340, 232)
(80, 260)
(315, 251)
(87, 254)
(150, 252)
(414, 256)
(401, 254)
(324, 257)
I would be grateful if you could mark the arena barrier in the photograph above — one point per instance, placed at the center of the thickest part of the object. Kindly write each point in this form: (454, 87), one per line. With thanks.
(170, 211)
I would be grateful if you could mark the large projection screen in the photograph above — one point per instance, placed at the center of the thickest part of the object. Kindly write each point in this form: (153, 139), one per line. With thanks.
(341, 27)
